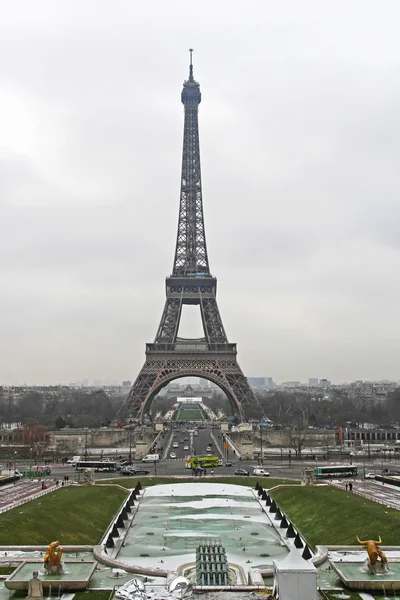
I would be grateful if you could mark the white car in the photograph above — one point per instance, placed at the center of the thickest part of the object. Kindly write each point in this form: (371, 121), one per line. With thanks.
(369, 475)
(186, 447)
(172, 455)
(175, 445)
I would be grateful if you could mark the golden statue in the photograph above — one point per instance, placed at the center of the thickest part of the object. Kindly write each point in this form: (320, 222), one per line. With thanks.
(52, 559)
(375, 554)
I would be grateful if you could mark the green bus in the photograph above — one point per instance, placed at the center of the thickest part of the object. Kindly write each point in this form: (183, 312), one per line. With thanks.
(335, 471)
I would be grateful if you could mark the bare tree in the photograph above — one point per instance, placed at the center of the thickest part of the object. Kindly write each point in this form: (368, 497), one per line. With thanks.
(298, 436)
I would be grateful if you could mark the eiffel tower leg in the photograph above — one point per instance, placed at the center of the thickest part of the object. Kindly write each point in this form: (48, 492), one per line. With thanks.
(212, 322)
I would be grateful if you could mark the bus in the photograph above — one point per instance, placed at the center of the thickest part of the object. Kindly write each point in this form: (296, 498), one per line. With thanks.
(335, 471)
(201, 461)
(97, 465)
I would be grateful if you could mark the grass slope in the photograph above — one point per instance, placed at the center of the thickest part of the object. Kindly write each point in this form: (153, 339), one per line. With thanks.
(73, 515)
(326, 515)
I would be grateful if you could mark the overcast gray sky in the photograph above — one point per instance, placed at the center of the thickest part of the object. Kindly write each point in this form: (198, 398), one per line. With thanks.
(299, 133)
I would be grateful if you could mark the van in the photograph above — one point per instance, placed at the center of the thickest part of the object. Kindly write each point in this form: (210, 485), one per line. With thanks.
(151, 458)
(74, 460)
(261, 472)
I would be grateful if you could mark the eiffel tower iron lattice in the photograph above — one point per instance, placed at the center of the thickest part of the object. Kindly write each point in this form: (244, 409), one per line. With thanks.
(170, 357)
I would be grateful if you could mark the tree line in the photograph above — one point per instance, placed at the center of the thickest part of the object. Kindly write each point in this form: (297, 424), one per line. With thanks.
(68, 407)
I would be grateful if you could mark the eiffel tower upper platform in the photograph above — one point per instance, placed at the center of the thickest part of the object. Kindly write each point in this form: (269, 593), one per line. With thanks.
(170, 357)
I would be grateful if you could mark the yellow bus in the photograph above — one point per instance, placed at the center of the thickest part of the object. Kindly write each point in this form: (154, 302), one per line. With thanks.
(203, 461)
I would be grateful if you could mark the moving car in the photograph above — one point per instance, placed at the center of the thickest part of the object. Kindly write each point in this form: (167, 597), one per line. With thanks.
(241, 472)
(172, 455)
(134, 471)
(186, 447)
(263, 472)
(228, 463)
(175, 445)
(369, 475)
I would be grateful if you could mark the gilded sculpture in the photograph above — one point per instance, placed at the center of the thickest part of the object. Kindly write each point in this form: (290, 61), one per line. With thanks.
(52, 559)
(376, 558)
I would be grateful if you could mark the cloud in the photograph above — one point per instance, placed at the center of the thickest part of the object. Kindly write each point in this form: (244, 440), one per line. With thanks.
(299, 132)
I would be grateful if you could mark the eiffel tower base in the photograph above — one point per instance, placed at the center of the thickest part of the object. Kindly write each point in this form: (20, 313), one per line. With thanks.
(161, 368)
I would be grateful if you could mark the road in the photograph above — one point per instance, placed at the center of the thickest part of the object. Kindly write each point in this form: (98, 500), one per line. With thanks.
(168, 467)
(181, 442)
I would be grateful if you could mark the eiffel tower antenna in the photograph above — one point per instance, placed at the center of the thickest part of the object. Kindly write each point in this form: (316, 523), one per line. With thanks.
(170, 357)
(191, 65)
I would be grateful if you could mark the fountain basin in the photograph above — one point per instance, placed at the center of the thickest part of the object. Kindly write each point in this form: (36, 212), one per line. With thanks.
(355, 576)
(76, 576)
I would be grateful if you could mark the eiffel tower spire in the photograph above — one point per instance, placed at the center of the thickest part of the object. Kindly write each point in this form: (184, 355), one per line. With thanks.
(170, 357)
(191, 249)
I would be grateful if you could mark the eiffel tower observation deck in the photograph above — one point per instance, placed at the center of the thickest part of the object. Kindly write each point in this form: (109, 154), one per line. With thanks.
(170, 357)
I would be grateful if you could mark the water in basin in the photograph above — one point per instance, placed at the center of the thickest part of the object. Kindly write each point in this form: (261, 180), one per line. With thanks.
(73, 571)
(173, 520)
(357, 571)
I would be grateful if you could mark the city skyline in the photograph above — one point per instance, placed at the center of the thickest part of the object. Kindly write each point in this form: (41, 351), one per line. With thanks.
(298, 137)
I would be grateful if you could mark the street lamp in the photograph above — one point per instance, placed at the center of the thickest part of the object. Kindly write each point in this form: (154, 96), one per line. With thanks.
(15, 458)
(261, 424)
(30, 463)
(130, 441)
(86, 434)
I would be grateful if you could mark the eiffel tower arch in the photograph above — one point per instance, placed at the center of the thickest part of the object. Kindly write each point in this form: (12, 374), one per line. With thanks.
(170, 357)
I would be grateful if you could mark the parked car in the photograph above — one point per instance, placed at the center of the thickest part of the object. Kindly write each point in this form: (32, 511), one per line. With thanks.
(41, 469)
(172, 455)
(228, 463)
(241, 472)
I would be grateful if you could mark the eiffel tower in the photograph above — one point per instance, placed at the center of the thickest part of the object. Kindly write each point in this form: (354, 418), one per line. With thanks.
(170, 357)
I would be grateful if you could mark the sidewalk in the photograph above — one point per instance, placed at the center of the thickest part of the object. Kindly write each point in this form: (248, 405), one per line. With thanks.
(13, 495)
(373, 490)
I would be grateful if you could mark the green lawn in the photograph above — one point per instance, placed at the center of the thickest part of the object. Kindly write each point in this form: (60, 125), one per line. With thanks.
(130, 482)
(189, 412)
(327, 515)
(72, 515)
